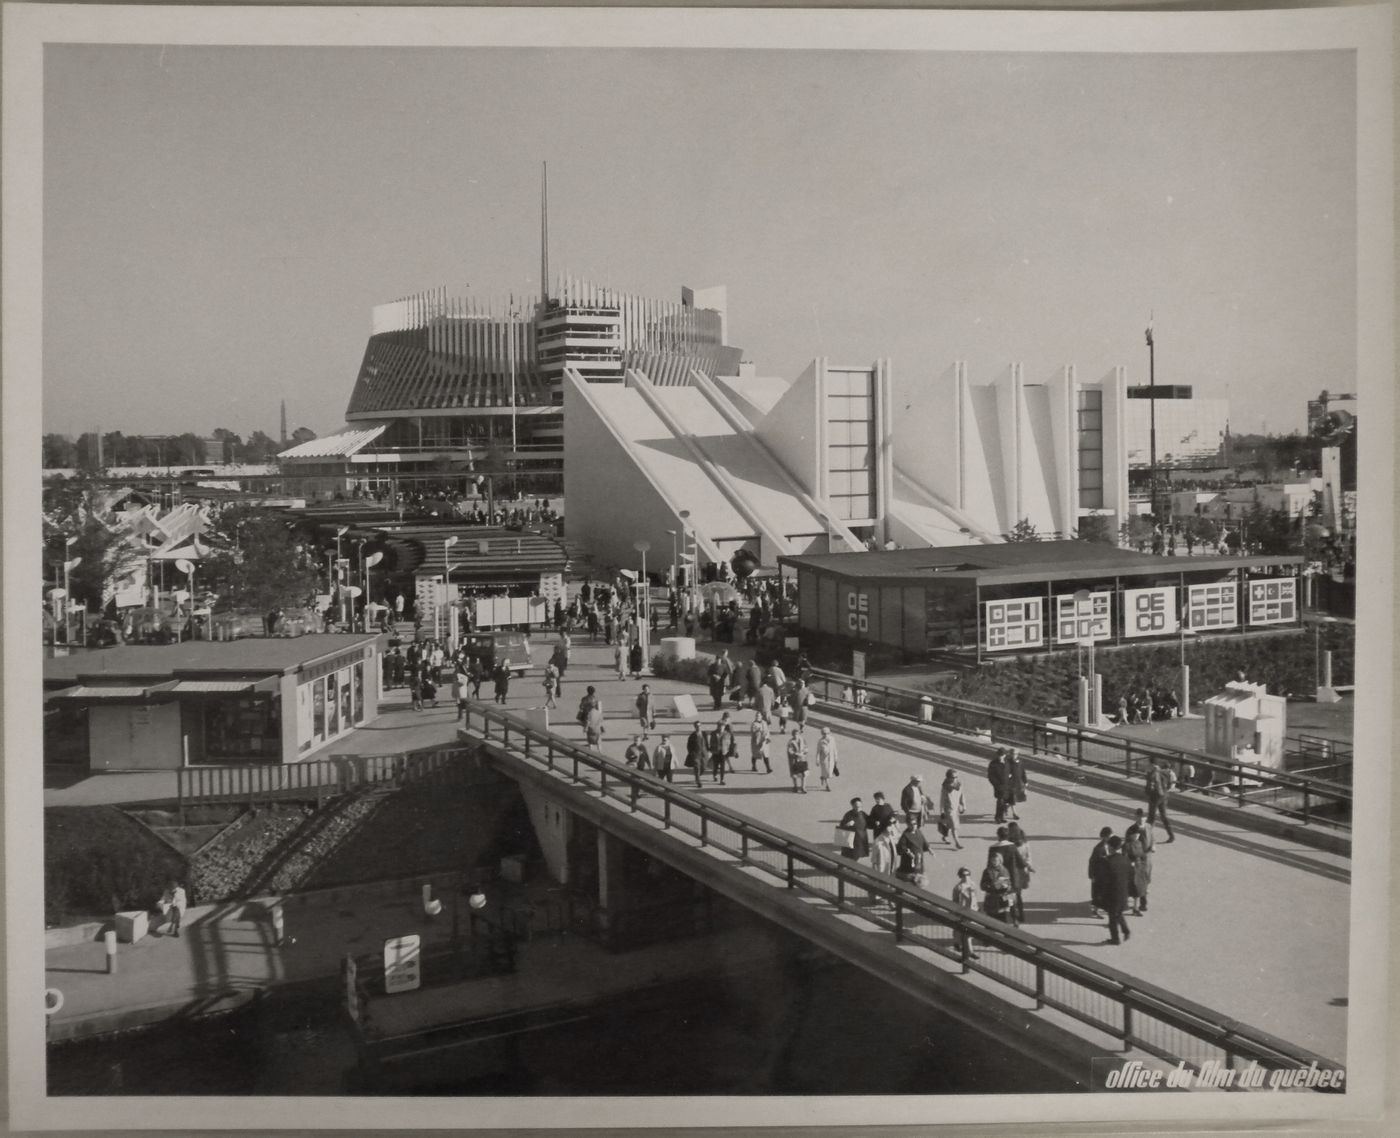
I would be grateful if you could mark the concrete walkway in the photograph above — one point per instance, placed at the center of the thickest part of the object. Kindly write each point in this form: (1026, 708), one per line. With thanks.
(1250, 925)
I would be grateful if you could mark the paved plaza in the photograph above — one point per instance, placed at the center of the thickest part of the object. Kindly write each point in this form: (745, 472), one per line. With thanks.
(1251, 925)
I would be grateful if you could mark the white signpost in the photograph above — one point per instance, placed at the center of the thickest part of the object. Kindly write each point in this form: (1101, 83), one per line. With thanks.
(402, 959)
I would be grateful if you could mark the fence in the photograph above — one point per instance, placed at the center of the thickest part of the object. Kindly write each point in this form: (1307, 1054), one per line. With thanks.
(1137, 1013)
(318, 778)
(1309, 797)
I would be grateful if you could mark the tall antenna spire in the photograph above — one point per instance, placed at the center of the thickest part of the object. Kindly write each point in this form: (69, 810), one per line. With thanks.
(544, 233)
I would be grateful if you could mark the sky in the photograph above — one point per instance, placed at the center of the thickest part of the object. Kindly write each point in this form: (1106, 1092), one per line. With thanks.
(219, 221)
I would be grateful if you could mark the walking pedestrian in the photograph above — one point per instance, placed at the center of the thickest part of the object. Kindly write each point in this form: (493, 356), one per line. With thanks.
(797, 761)
(593, 727)
(1016, 779)
(910, 850)
(696, 751)
(965, 897)
(634, 660)
(828, 766)
(646, 714)
(1138, 843)
(997, 888)
(1022, 867)
(620, 660)
(173, 904)
(951, 808)
(855, 828)
(758, 744)
(501, 678)
(551, 684)
(1115, 875)
(415, 690)
(722, 749)
(1097, 900)
(911, 801)
(428, 689)
(1160, 781)
(475, 673)
(459, 693)
(1000, 778)
(881, 822)
(663, 759)
(636, 754)
(802, 698)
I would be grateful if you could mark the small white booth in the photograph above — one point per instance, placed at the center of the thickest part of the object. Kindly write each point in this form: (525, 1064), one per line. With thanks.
(1245, 724)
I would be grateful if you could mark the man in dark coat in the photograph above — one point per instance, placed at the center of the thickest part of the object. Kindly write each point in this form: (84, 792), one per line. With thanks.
(855, 823)
(1160, 781)
(911, 801)
(1115, 875)
(1000, 777)
(1016, 779)
(722, 748)
(1096, 859)
(696, 750)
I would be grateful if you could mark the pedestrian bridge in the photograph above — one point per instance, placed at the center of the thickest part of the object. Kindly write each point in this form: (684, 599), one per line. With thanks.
(1051, 1002)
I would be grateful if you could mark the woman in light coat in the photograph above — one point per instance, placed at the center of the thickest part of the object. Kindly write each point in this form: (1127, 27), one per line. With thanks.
(826, 757)
(950, 808)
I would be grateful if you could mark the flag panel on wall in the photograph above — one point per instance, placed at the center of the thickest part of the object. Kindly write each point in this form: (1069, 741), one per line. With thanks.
(1013, 623)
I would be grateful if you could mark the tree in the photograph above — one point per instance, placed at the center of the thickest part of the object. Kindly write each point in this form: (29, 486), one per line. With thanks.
(1137, 532)
(231, 445)
(1095, 527)
(106, 554)
(259, 448)
(260, 566)
(189, 449)
(60, 452)
(1024, 530)
(1198, 530)
(302, 435)
(1273, 531)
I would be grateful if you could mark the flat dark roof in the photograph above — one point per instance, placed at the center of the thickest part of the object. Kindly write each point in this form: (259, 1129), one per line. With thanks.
(275, 654)
(1017, 561)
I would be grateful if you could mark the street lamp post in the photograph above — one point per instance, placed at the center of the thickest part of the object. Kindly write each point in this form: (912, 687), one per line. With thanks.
(447, 543)
(673, 557)
(1152, 420)
(692, 563)
(68, 564)
(338, 580)
(643, 604)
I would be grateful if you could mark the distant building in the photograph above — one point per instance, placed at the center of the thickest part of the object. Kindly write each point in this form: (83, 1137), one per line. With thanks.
(459, 386)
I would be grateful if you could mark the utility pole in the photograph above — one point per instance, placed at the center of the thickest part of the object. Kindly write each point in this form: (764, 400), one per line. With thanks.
(1152, 420)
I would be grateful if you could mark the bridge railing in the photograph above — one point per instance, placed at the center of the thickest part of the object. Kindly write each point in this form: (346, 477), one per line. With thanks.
(1305, 797)
(1138, 1014)
(314, 778)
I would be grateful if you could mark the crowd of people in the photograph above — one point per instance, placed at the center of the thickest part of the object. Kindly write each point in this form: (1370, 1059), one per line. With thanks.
(892, 833)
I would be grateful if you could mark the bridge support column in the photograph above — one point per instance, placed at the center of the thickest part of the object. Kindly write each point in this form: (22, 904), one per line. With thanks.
(612, 879)
(554, 827)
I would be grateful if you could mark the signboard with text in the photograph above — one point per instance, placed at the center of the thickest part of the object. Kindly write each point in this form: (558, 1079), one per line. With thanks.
(402, 964)
(1149, 612)
(1014, 623)
(855, 611)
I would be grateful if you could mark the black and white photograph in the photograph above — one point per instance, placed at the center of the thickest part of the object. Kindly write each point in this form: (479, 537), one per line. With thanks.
(677, 567)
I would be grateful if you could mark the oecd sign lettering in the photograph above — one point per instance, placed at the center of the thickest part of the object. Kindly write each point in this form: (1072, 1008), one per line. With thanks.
(857, 612)
(1149, 612)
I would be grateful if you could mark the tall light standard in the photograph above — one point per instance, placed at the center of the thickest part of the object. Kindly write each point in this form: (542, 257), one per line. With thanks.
(643, 605)
(448, 543)
(1185, 669)
(69, 564)
(338, 585)
(673, 557)
(187, 568)
(692, 563)
(370, 562)
(1152, 420)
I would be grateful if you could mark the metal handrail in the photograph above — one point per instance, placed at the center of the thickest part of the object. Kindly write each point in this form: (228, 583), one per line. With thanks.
(902, 908)
(1236, 779)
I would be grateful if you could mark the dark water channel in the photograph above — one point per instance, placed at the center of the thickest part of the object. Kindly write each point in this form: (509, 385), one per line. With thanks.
(799, 1023)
